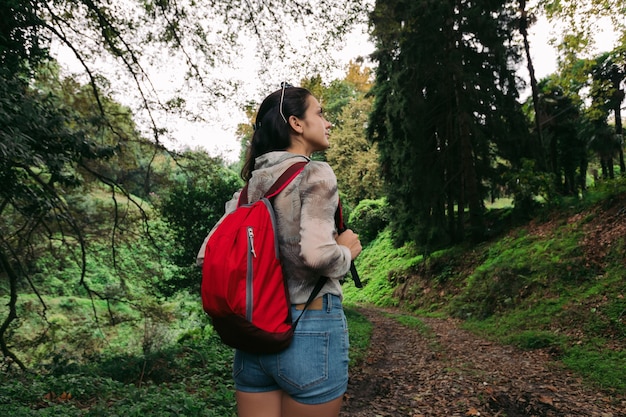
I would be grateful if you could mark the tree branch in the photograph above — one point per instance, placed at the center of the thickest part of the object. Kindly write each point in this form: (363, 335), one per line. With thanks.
(6, 265)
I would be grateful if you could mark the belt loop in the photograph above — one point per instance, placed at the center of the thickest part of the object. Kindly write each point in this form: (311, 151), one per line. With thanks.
(329, 303)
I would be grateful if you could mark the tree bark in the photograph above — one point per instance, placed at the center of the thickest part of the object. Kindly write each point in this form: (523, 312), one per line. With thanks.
(6, 265)
(539, 153)
(619, 129)
(470, 181)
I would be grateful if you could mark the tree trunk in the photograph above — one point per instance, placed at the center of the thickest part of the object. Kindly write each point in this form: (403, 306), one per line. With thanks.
(619, 130)
(539, 154)
(470, 181)
(554, 160)
(580, 175)
(6, 265)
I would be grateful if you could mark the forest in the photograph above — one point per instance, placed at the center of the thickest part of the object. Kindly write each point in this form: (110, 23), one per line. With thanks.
(472, 200)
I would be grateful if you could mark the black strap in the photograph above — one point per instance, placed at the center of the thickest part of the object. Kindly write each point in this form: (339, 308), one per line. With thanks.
(316, 290)
(342, 227)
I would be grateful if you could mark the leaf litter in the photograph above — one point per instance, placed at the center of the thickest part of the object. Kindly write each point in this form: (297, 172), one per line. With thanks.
(451, 372)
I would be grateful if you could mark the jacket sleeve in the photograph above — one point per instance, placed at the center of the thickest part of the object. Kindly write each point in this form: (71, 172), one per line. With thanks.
(318, 248)
(229, 207)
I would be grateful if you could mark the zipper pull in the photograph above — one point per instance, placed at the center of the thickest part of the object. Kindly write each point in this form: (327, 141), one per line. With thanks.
(251, 241)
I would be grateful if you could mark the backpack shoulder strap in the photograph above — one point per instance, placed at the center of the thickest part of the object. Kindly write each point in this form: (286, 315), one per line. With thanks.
(282, 181)
(287, 176)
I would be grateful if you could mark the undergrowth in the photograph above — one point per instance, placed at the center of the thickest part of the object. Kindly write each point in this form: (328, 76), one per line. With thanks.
(377, 264)
(189, 377)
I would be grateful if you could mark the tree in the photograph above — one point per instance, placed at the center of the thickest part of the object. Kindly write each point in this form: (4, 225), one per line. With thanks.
(191, 207)
(444, 95)
(352, 156)
(608, 74)
(579, 15)
(566, 145)
(524, 22)
(42, 142)
(138, 37)
(53, 142)
(603, 141)
(580, 20)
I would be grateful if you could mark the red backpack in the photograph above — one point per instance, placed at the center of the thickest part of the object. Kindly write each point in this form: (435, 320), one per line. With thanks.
(243, 289)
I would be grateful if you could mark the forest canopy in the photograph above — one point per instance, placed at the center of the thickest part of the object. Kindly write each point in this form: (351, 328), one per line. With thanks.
(427, 134)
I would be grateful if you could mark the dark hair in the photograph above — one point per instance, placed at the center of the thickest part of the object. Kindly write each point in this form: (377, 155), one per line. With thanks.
(271, 131)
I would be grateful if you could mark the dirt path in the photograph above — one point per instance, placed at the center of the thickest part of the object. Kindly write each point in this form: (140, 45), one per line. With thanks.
(454, 373)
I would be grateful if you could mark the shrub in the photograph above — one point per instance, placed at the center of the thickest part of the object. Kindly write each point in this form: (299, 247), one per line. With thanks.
(369, 218)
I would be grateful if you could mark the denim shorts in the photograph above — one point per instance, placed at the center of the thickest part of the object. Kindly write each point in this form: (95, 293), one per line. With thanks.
(313, 369)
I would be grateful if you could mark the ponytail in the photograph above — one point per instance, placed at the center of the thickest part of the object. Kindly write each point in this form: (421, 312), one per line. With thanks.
(271, 131)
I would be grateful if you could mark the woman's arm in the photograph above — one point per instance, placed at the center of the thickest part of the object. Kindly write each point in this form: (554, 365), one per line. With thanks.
(319, 247)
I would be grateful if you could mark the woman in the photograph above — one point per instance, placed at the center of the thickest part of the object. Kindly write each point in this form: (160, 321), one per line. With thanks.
(310, 377)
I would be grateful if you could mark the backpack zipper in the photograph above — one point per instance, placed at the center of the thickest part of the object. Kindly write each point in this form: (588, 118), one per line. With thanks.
(250, 275)
(251, 241)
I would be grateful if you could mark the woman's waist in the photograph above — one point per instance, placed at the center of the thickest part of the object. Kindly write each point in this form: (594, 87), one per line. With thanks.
(299, 294)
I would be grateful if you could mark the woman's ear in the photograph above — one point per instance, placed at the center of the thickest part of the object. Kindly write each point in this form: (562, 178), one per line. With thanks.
(295, 124)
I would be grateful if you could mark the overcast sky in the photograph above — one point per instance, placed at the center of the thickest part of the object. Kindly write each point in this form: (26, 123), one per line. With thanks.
(218, 136)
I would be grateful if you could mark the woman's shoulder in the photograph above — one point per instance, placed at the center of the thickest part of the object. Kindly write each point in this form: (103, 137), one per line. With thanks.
(314, 171)
(318, 177)
(319, 170)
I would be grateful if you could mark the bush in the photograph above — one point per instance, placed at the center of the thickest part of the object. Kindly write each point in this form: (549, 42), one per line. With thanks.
(369, 218)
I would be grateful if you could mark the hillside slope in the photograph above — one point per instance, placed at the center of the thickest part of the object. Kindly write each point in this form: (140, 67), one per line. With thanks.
(555, 283)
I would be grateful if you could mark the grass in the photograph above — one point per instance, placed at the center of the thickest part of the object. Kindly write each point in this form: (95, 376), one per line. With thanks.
(360, 333)
(412, 322)
(375, 266)
(605, 367)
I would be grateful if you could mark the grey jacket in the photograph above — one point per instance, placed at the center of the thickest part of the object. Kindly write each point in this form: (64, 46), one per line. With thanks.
(305, 213)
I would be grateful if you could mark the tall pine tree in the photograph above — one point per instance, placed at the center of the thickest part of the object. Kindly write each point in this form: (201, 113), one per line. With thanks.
(445, 107)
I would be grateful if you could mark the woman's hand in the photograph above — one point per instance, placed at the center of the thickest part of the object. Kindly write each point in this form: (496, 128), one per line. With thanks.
(350, 240)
